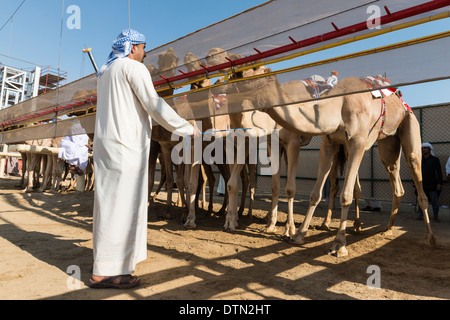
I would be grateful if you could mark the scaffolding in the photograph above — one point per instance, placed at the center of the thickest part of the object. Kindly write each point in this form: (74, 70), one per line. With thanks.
(51, 79)
(13, 83)
(17, 85)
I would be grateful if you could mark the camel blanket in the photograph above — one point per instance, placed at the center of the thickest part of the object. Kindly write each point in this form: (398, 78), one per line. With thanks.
(127, 104)
(379, 82)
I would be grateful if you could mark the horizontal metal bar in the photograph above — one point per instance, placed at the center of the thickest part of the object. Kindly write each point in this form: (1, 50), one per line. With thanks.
(388, 18)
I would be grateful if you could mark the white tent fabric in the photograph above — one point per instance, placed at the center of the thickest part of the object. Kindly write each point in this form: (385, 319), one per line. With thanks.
(264, 27)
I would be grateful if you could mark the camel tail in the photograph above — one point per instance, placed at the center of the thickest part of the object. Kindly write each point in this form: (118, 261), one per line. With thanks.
(341, 159)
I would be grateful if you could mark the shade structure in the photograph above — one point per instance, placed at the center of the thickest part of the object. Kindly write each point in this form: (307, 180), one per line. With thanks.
(253, 38)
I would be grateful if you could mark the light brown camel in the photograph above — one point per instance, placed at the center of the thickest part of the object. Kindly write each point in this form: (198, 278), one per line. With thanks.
(226, 123)
(161, 138)
(353, 120)
(290, 142)
(193, 170)
(162, 144)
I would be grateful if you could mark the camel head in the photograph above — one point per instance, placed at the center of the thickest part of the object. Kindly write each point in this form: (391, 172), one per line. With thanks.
(263, 90)
(192, 63)
(244, 86)
(218, 56)
(167, 62)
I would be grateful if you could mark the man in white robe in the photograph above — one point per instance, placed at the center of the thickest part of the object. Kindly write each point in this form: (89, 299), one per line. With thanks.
(127, 103)
(74, 150)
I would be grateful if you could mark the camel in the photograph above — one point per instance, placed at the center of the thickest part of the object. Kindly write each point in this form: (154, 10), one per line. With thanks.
(288, 140)
(162, 144)
(193, 170)
(291, 142)
(161, 138)
(228, 123)
(258, 122)
(352, 120)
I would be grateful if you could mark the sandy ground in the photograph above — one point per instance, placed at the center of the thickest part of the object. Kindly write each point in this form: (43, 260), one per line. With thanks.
(44, 238)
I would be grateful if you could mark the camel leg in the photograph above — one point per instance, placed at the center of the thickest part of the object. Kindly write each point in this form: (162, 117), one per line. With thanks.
(334, 188)
(162, 179)
(181, 202)
(37, 172)
(355, 155)
(155, 149)
(211, 182)
(199, 190)
(245, 184)
(292, 154)
(357, 196)
(272, 217)
(327, 152)
(409, 134)
(187, 175)
(233, 191)
(252, 185)
(194, 172)
(225, 172)
(31, 169)
(88, 175)
(57, 173)
(23, 181)
(204, 183)
(65, 172)
(47, 173)
(389, 151)
(169, 184)
(90, 185)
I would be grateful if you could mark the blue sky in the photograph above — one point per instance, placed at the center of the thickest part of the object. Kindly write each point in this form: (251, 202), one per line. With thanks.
(34, 34)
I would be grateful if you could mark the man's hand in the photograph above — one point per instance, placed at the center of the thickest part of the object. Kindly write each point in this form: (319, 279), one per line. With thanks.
(197, 132)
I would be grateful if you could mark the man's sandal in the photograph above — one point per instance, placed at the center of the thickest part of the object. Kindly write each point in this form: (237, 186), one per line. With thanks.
(117, 282)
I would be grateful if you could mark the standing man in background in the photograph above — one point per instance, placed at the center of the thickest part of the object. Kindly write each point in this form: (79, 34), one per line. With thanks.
(431, 178)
